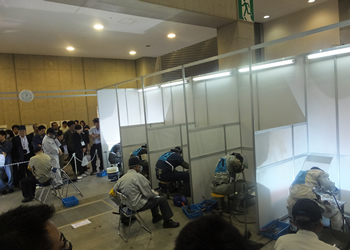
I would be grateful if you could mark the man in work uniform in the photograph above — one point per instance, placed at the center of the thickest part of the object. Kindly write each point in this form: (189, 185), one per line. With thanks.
(302, 188)
(165, 168)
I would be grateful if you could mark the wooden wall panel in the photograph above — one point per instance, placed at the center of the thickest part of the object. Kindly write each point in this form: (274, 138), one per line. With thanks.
(52, 73)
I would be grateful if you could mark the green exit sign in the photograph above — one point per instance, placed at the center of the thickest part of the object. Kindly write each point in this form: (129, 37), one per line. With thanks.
(246, 10)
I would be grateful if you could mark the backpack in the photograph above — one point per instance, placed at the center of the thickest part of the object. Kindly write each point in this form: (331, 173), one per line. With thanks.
(178, 199)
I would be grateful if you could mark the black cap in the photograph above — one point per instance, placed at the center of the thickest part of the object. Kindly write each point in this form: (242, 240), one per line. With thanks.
(78, 127)
(177, 150)
(133, 161)
(307, 208)
(96, 120)
(22, 127)
(37, 149)
(51, 131)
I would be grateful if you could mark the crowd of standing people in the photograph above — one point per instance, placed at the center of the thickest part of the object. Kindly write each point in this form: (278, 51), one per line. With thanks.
(58, 145)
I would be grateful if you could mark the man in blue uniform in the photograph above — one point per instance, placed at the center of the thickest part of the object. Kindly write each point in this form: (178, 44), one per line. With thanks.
(165, 168)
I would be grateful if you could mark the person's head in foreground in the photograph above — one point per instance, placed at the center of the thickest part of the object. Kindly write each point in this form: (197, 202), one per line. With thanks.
(307, 215)
(210, 232)
(135, 163)
(31, 228)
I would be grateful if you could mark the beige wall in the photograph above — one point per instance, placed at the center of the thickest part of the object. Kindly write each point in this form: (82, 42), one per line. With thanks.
(308, 19)
(50, 73)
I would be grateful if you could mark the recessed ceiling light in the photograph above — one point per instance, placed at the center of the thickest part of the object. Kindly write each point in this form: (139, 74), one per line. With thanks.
(70, 48)
(267, 16)
(98, 26)
(171, 35)
(132, 52)
(311, 1)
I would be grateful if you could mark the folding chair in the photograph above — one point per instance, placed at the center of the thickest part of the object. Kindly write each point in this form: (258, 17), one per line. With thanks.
(129, 213)
(48, 185)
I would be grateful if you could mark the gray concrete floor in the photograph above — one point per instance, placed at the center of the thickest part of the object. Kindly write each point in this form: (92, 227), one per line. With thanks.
(102, 233)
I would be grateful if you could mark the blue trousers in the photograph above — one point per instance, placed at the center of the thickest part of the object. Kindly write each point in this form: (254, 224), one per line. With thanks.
(6, 170)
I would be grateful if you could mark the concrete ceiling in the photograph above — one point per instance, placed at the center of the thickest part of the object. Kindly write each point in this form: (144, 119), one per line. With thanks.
(47, 27)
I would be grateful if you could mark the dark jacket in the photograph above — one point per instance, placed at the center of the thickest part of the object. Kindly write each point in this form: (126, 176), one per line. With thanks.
(68, 136)
(77, 140)
(6, 147)
(17, 149)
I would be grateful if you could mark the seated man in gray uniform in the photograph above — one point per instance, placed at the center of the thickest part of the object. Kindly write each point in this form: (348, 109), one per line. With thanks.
(141, 197)
(307, 216)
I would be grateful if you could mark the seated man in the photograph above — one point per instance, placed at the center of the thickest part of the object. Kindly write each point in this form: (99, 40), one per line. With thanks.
(307, 216)
(141, 197)
(210, 232)
(141, 153)
(115, 157)
(302, 188)
(41, 167)
(224, 179)
(31, 228)
(166, 164)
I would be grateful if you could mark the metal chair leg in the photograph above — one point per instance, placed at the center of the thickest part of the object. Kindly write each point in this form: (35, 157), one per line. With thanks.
(144, 225)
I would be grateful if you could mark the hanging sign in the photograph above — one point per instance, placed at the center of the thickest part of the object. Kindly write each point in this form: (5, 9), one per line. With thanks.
(246, 10)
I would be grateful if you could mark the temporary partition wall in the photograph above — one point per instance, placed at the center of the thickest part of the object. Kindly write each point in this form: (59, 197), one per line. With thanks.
(283, 119)
(109, 121)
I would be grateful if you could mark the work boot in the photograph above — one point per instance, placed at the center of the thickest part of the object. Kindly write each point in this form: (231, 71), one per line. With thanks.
(11, 190)
(27, 200)
(3, 192)
(157, 218)
(171, 224)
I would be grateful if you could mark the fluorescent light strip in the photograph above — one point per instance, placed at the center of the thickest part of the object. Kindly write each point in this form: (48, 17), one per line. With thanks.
(329, 53)
(211, 76)
(171, 84)
(148, 89)
(268, 65)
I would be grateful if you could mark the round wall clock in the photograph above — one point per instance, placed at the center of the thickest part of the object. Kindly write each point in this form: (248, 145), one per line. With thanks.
(26, 95)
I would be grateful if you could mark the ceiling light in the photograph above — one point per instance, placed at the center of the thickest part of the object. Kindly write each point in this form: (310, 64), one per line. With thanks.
(171, 35)
(171, 84)
(329, 53)
(70, 48)
(148, 89)
(98, 26)
(132, 52)
(268, 65)
(311, 1)
(267, 16)
(211, 76)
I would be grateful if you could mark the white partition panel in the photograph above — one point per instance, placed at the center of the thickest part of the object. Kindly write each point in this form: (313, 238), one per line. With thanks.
(273, 146)
(178, 104)
(273, 186)
(168, 106)
(200, 104)
(122, 105)
(132, 138)
(344, 181)
(133, 107)
(233, 136)
(300, 139)
(222, 100)
(164, 137)
(206, 141)
(109, 123)
(321, 107)
(344, 103)
(154, 105)
(202, 170)
(281, 99)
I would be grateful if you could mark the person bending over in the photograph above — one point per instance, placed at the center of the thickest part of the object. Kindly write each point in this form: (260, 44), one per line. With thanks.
(165, 168)
(211, 233)
(307, 216)
(141, 197)
(31, 228)
(302, 188)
